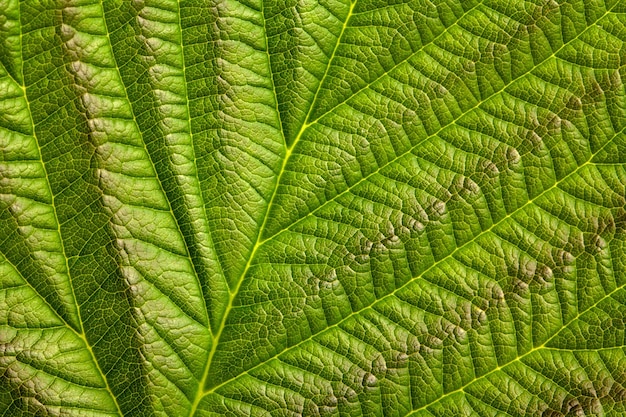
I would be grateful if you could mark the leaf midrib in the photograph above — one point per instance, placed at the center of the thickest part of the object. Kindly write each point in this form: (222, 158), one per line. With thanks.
(257, 244)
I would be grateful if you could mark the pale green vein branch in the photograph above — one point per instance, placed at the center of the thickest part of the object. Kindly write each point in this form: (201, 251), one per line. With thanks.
(271, 74)
(328, 66)
(396, 65)
(585, 349)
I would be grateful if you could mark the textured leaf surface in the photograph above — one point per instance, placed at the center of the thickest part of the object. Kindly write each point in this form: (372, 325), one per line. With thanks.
(318, 208)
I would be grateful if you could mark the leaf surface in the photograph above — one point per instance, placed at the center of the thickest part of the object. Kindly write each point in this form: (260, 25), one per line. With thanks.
(273, 208)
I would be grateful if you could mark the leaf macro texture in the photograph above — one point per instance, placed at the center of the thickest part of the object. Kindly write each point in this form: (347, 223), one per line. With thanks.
(312, 208)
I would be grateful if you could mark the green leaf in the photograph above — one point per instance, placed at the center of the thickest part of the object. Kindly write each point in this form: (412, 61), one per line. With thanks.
(317, 208)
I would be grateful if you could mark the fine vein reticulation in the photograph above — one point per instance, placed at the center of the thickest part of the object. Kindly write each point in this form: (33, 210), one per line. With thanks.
(313, 208)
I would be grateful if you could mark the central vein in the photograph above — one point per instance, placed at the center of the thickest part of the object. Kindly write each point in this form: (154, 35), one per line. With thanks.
(259, 242)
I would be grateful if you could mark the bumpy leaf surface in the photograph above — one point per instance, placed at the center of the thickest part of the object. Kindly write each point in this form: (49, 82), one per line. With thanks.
(315, 207)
